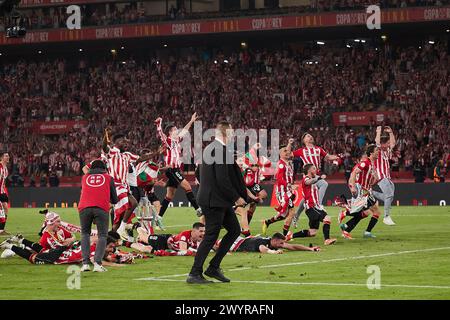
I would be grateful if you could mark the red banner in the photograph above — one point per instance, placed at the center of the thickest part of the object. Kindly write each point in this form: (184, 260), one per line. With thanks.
(54, 3)
(330, 19)
(359, 118)
(57, 127)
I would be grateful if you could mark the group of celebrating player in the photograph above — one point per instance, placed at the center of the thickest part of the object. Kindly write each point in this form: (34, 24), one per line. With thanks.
(135, 178)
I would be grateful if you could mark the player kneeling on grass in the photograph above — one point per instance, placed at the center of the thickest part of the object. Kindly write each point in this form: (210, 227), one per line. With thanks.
(184, 243)
(271, 245)
(314, 210)
(36, 254)
(362, 178)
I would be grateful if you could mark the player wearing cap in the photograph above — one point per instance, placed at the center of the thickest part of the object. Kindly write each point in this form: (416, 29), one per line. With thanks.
(54, 234)
(312, 154)
(386, 144)
(36, 254)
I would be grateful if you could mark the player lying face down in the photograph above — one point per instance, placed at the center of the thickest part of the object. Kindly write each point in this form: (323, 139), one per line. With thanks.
(184, 243)
(271, 245)
(36, 254)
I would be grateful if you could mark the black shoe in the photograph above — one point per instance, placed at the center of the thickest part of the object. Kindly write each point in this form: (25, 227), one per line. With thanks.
(197, 279)
(216, 274)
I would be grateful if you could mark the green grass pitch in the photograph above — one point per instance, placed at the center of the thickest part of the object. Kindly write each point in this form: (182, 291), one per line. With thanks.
(413, 257)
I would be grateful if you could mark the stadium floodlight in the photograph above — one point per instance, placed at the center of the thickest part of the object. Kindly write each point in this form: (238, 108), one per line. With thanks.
(320, 43)
(357, 40)
(40, 52)
(448, 30)
(81, 50)
(113, 51)
(165, 45)
(215, 61)
(337, 65)
(348, 46)
(225, 61)
(384, 37)
(121, 48)
(431, 42)
(363, 41)
(243, 44)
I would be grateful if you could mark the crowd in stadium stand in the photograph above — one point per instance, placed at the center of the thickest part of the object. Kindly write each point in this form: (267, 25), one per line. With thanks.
(97, 15)
(293, 90)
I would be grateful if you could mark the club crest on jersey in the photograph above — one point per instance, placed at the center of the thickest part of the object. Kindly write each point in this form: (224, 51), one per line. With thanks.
(95, 180)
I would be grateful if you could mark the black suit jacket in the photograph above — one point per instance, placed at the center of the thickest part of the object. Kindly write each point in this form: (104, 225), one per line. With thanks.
(221, 184)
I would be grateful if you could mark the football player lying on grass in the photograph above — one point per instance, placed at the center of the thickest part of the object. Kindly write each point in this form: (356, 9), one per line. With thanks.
(272, 245)
(184, 243)
(36, 254)
(62, 230)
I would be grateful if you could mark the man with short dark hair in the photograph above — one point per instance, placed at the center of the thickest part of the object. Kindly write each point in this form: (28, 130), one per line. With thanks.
(221, 187)
(271, 245)
(98, 192)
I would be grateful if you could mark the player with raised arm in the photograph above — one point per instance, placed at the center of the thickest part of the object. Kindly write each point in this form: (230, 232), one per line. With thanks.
(270, 245)
(4, 199)
(386, 144)
(314, 210)
(118, 164)
(284, 190)
(312, 154)
(171, 138)
(362, 178)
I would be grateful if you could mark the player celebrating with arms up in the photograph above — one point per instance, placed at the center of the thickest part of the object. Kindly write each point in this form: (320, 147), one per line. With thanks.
(4, 160)
(312, 154)
(171, 139)
(385, 144)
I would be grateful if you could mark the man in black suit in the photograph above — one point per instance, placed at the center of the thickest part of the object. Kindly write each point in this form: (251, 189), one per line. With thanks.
(221, 187)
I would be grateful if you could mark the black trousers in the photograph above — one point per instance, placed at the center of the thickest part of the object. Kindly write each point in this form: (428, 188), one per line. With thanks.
(215, 218)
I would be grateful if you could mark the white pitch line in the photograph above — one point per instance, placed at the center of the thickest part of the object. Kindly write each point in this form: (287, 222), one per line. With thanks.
(320, 261)
(311, 283)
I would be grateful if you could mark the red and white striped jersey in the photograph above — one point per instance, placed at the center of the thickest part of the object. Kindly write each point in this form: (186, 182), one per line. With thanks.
(310, 194)
(284, 175)
(252, 177)
(52, 241)
(118, 163)
(74, 255)
(312, 155)
(172, 153)
(3, 175)
(366, 179)
(174, 241)
(382, 164)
